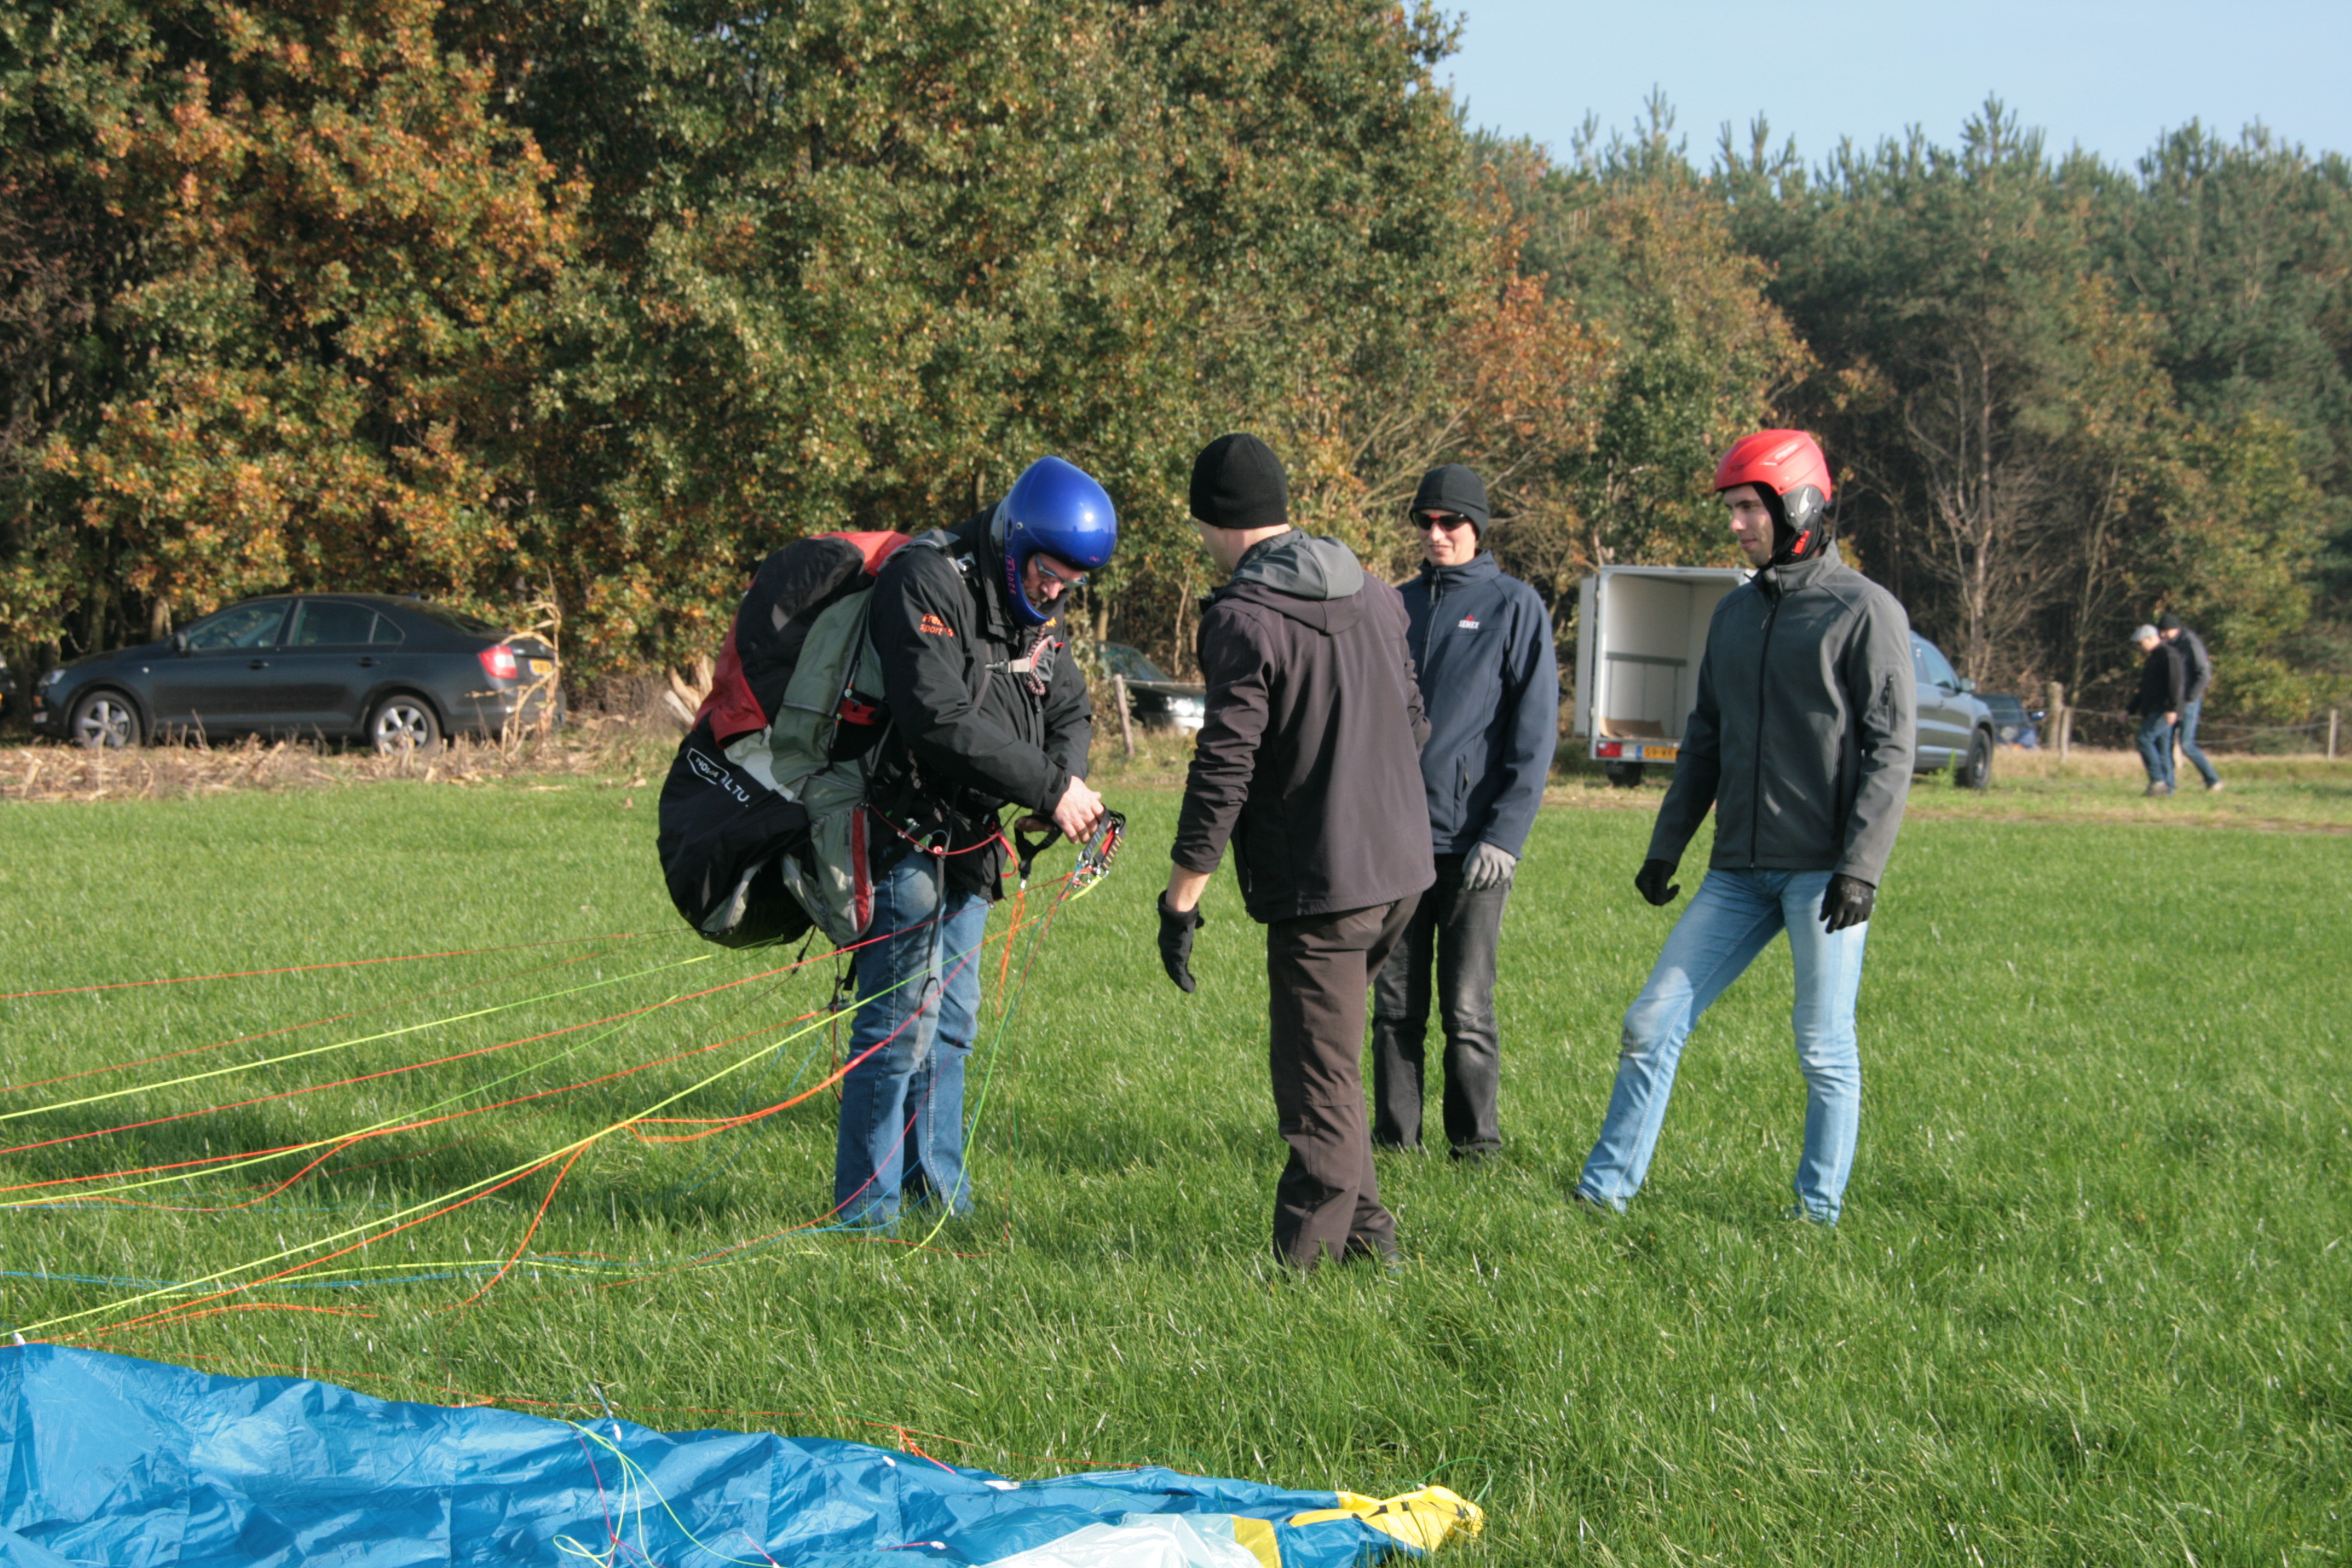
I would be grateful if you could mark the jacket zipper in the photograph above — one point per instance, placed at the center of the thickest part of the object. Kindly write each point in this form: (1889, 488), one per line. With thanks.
(1756, 759)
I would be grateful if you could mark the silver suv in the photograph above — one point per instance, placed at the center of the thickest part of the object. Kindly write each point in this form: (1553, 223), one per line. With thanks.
(1955, 727)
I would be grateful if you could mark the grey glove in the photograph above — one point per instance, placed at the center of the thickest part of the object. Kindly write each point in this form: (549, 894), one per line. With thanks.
(1486, 867)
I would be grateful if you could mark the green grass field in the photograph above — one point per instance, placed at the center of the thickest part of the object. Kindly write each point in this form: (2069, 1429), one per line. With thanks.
(2088, 1303)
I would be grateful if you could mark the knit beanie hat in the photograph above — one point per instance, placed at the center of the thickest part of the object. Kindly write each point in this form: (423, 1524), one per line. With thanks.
(1237, 482)
(1453, 488)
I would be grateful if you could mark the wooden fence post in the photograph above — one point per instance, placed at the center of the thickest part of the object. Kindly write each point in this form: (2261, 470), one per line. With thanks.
(1126, 725)
(2053, 716)
(2335, 721)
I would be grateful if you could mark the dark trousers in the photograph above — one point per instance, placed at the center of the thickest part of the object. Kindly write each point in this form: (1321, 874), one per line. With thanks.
(1455, 930)
(1319, 969)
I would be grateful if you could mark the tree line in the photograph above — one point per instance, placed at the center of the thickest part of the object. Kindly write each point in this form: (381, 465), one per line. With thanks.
(507, 302)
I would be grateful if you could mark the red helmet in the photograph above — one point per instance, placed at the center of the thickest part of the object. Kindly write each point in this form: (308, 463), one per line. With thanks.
(1789, 471)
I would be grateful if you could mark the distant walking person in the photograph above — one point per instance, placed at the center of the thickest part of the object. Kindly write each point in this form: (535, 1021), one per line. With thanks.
(2157, 702)
(1482, 648)
(1307, 766)
(2196, 677)
(1800, 742)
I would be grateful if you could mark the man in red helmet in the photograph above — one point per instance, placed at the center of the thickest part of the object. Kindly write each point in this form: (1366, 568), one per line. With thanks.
(1800, 742)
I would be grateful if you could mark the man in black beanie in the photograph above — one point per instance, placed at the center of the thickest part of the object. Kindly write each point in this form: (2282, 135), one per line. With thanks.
(1321, 794)
(1481, 645)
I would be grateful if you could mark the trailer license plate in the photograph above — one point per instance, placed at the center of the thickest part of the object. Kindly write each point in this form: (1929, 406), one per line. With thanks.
(1653, 752)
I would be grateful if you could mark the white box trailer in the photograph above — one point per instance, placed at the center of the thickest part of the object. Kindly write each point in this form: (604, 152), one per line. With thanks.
(1641, 632)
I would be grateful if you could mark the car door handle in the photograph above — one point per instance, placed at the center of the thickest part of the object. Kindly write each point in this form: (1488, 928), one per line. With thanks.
(259, 664)
(367, 664)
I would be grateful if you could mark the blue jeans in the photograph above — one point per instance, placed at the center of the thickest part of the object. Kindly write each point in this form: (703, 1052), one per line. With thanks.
(2188, 748)
(2156, 748)
(1733, 916)
(918, 999)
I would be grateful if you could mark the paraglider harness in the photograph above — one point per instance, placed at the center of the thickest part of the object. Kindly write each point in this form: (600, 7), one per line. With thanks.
(769, 815)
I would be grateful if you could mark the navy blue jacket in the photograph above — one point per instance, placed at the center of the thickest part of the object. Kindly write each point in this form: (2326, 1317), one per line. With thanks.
(1482, 645)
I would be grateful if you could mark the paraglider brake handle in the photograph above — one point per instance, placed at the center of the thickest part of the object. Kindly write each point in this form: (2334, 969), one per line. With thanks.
(1026, 849)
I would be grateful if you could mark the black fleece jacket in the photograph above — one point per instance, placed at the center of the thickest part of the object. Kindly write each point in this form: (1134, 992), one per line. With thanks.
(2163, 684)
(1308, 760)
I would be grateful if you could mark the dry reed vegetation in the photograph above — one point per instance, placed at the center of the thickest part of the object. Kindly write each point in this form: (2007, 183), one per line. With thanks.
(592, 745)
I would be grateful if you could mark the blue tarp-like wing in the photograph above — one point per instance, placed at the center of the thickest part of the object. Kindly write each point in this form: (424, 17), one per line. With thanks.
(106, 1459)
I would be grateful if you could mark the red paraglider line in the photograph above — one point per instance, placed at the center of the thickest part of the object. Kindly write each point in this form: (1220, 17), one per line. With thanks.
(308, 968)
(297, 1028)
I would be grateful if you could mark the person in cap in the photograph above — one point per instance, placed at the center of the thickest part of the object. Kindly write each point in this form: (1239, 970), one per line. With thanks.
(1800, 742)
(1482, 650)
(2162, 688)
(2196, 679)
(983, 711)
(1307, 765)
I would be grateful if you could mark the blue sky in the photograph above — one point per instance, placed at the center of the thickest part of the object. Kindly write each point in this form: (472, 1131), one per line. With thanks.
(2108, 77)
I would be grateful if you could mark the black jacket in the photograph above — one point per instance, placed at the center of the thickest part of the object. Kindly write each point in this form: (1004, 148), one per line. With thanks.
(2196, 666)
(1802, 736)
(2162, 683)
(1481, 644)
(1307, 762)
(968, 734)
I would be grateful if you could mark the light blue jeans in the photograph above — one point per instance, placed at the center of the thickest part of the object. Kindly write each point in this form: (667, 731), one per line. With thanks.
(1733, 916)
(2156, 748)
(918, 1000)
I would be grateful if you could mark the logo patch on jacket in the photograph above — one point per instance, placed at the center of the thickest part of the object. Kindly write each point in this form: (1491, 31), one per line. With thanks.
(935, 626)
(1468, 623)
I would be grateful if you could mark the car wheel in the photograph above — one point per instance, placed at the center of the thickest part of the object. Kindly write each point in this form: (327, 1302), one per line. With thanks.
(1624, 775)
(1974, 771)
(104, 718)
(402, 723)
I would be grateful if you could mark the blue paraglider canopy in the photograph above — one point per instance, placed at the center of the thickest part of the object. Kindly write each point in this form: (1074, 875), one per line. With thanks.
(108, 1459)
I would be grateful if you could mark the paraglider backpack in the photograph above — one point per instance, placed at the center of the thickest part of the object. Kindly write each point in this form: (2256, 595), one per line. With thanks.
(764, 829)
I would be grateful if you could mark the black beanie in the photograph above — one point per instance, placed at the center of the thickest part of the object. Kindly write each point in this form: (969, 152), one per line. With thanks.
(2168, 623)
(1453, 488)
(1237, 482)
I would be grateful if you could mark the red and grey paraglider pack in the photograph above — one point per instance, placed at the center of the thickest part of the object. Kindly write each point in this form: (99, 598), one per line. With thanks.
(760, 832)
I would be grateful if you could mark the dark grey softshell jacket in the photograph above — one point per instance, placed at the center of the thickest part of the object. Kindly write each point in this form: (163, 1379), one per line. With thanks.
(1802, 734)
(1309, 760)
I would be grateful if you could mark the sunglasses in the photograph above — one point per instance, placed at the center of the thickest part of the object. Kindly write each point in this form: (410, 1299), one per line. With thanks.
(1445, 520)
(1045, 563)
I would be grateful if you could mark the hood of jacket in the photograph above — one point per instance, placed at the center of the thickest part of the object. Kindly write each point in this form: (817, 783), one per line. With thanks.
(1313, 580)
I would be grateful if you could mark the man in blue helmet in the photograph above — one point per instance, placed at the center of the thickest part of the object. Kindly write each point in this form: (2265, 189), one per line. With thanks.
(983, 711)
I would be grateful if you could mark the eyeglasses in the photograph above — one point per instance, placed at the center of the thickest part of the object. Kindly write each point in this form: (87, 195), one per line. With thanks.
(1446, 522)
(1046, 563)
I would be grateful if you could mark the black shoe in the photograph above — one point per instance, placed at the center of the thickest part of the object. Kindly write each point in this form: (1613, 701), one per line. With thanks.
(1470, 1159)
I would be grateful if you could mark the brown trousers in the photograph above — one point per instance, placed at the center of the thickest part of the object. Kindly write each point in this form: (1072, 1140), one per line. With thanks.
(1319, 969)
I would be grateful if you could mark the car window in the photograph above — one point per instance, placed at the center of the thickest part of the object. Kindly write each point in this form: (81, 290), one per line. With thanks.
(331, 623)
(1123, 660)
(240, 625)
(1933, 668)
(386, 631)
(455, 620)
(2008, 709)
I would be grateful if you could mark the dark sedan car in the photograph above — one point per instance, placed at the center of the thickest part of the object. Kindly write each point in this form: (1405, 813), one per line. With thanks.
(397, 671)
(1152, 696)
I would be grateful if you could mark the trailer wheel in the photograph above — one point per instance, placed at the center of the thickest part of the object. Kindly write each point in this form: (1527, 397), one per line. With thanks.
(1624, 775)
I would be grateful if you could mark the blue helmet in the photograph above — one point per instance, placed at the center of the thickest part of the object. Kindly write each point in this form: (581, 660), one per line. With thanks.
(1062, 509)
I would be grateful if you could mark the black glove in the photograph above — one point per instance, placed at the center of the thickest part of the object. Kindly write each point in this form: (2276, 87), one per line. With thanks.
(1846, 901)
(1176, 942)
(1651, 881)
